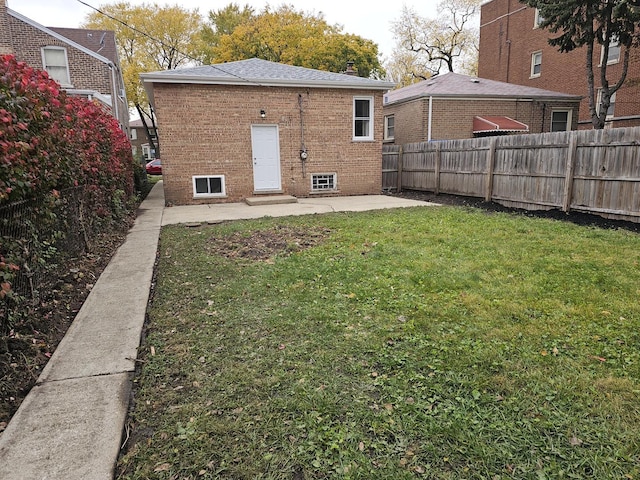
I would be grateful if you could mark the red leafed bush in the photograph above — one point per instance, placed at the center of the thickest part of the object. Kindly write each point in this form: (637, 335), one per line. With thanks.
(50, 141)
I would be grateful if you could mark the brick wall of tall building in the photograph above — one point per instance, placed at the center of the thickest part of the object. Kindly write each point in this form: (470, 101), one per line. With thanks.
(508, 39)
(206, 130)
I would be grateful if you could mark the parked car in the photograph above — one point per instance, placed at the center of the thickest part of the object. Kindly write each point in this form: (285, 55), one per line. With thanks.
(154, 167)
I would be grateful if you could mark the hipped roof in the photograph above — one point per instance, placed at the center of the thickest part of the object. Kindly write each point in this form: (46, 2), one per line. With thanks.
(260, 72)
(452, 85)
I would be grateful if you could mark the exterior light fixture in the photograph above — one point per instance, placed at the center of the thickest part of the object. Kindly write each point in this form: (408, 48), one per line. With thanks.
(263, 114)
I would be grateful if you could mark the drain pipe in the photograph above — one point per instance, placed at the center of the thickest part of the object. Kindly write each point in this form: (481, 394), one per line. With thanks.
(430, 118)
(303, 149)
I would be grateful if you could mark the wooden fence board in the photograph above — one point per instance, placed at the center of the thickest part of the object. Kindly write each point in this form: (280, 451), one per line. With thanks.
(595, 171)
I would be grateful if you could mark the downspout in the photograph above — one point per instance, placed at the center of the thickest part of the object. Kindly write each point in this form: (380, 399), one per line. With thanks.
(114, 93)
(429, 119)
(508, 41)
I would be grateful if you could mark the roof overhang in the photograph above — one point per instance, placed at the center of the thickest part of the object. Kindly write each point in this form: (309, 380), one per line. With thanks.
(497, 124)
(148, 79)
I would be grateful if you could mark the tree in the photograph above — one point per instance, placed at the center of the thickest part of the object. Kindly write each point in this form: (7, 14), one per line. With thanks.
(442, 42)
(224, 22)
(150, 37)
(286, 35)
(585, 23)
(405, 68)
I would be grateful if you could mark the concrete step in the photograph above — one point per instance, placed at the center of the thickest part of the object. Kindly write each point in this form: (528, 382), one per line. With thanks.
(270, 200)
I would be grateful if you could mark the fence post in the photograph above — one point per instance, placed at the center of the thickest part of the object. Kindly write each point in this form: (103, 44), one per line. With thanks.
(437, 172)
(399, 185)
(568, 177)
(491, 160)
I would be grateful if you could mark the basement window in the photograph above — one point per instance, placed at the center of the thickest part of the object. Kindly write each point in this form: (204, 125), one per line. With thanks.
(322, 182)
(208, 186)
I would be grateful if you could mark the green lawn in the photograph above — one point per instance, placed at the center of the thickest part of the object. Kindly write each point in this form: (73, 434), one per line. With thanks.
(440, 343)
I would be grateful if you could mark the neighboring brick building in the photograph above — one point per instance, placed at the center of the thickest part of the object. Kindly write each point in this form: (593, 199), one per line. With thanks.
(140, 142)
(514, 49)
(234, 130)
(452, 105)
(84, 62)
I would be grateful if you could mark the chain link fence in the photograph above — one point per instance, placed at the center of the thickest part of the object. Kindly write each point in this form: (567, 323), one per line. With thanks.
(37, 235)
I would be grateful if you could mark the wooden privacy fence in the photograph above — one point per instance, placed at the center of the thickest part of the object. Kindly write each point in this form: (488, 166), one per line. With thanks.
(594, 171)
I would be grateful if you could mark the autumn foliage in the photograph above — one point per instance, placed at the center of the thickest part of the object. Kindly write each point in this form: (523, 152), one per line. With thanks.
(52, 142)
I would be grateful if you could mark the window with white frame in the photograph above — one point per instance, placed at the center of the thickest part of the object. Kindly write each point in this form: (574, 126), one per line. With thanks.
(389, 127)
(323, 181)
(146, 151)
(612, 104)
(538, 19)
(560, 120)
(134, 134)
(614, 52)
(536, 64)
(363, 118)
(208, 186)
(56, 64)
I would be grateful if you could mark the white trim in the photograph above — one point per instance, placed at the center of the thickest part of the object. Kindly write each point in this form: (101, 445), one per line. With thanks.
(386, 127)
(45, 64)
(537, 20)
(533, 64)
(370, 136)
(568, 111)
(615, 44)
(208, 194)
(612, 102)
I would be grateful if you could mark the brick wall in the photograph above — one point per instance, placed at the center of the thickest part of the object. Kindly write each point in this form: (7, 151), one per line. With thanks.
(85, 71)
(410, 121)
(206, 130)
(453, 118)
(5, 34)
(508, 38)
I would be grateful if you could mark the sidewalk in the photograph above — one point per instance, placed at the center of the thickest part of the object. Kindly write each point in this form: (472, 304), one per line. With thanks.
(70, 426)
(213, 213)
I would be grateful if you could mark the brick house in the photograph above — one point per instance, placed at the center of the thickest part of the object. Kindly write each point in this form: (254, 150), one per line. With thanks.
(235, 130)
(84, 62)
(139, 142)
(452, 106)
(514, 49)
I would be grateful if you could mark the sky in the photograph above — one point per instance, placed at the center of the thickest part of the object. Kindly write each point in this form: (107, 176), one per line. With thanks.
(366, 18)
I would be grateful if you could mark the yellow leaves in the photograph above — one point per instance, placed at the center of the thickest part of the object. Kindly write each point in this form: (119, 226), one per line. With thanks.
(286, 35)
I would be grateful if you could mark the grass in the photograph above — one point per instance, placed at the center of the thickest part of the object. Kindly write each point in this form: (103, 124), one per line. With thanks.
(440, 343)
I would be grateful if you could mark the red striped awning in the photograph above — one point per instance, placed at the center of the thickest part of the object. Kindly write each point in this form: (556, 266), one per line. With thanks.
(497, 124)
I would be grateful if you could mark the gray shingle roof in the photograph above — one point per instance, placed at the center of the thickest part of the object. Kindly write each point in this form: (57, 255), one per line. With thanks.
(457, 85)
(255, 71)
(98, 41)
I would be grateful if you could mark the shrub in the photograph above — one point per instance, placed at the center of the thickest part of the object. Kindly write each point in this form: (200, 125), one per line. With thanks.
(49, 142)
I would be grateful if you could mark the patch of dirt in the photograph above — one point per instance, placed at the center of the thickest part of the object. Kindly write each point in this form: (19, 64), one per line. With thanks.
(263, 245)
(25, 352)
(578, 218)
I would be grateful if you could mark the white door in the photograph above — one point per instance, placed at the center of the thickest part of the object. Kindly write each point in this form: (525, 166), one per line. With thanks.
(265, 146)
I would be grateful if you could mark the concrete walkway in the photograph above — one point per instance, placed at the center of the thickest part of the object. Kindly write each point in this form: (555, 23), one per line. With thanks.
(213, 213)
(70, 426)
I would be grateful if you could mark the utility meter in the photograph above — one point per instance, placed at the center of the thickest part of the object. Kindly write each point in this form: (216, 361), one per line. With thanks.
(303, 154)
